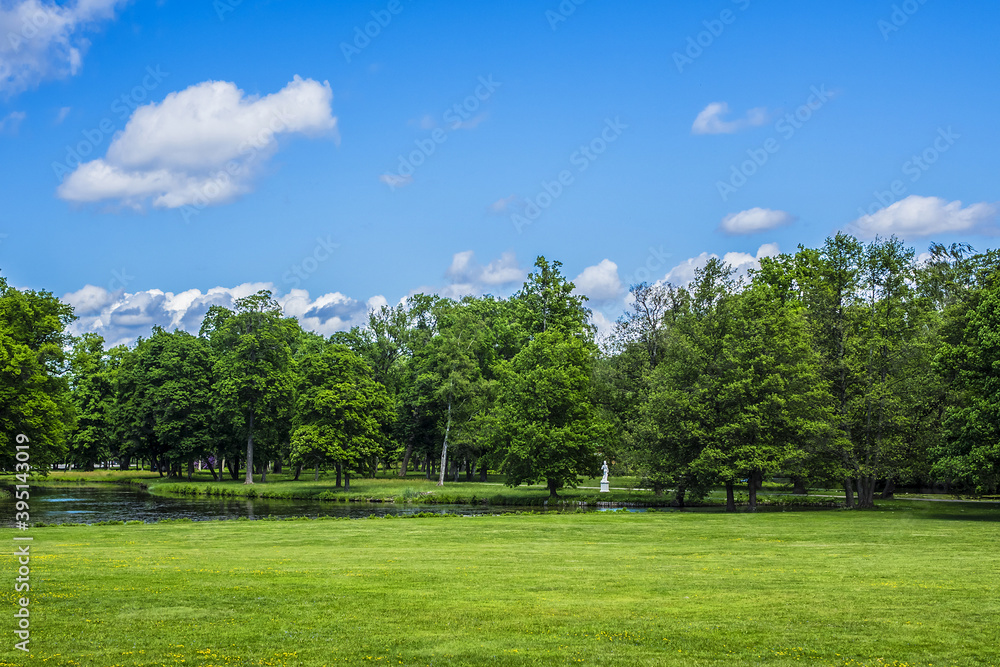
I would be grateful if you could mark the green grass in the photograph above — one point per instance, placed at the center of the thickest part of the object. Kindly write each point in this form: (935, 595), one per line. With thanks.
(914, 584)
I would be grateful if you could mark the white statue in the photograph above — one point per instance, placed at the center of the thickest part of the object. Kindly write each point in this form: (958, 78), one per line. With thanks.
(605, 469)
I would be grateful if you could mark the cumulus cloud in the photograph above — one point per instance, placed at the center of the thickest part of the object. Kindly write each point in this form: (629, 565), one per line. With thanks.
(201, 146)
(754, 220)
(467, 276)
(10, 123)
(121, 317)
(600, 282)
(683, 273)
(923, 216)
(43, 40)
(710, 120)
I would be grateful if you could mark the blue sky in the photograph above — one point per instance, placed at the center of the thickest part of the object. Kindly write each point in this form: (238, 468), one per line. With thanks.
(787, 120)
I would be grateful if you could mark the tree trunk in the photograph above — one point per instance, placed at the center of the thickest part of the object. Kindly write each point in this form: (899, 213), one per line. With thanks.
(679, 496)
(444, 447)
(553, 487)
(263, 471)
(249, 477)
(316, 475)
(234, 468)
(752, 486)
(427, 467)
(730, 497)
(340, 469)
(190, 469)
(406, 457)
(298, 471)
(469, 470)
(848, 493)
(890, 489)
(277, 466)
(347, 479)
(866, 492)
(799, 486)
(483, 470)
(211, 469)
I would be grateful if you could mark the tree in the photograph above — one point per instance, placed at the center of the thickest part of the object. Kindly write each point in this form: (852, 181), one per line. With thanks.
(970, 454)
(179, 391)
(450, 376)
(92, 387)
(546, 427)
(546, 302)
(253, 354)
(772, 399)
(883, 343)
(684, 411)
(35, 397)
(340, 410)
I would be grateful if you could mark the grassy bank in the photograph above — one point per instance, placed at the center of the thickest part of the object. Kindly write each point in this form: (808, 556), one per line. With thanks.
(901, 587)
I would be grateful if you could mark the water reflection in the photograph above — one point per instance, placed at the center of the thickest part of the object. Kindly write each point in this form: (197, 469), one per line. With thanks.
(119, 503)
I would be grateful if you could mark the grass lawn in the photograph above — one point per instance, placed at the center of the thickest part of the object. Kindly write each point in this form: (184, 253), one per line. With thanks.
(901, 586)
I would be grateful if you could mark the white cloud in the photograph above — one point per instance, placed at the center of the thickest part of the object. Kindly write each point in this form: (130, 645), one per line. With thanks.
(11, 122)
(121, 317)
(505, 205)
(922, 216)
(683, 273)
(600, 282)
(467, 276)
(755, 220)
(605, 325)
(395, 181)
(200, 146)
(63, 113)
(710, 121)
(42, 40)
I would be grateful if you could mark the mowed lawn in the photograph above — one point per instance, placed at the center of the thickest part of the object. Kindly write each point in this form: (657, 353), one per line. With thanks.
(909, 585)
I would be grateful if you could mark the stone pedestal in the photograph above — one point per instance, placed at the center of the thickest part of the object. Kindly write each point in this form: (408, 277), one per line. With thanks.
(604, 487)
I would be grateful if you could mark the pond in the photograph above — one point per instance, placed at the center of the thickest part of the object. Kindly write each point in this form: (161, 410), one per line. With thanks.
(89, 504)
(113, 502)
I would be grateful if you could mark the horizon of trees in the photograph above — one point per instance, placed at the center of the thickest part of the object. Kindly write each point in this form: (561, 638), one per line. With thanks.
(850, 364)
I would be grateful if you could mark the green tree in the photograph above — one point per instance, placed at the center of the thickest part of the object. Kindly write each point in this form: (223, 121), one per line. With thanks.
(970, 453)
(883, 344)
(546, 302)
(772, 399)
(341, 411)
(253, 350)
(35, 397)
(92, 387)
(546, 427)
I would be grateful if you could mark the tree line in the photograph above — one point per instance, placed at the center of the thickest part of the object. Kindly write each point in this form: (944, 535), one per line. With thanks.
(852, 365)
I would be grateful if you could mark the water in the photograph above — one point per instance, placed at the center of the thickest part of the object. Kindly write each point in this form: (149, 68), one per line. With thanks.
(89, 504)
(112, 502)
